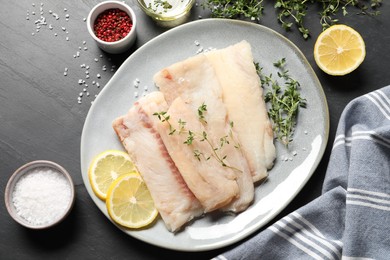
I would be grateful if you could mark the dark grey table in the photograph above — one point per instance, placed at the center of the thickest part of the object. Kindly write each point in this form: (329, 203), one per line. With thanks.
(41, 117)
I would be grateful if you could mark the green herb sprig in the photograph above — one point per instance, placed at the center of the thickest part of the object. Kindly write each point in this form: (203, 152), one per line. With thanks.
(290, 12)
(202, 137)
(285, 101)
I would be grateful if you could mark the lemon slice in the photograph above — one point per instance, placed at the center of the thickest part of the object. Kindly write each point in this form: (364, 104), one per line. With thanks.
(107, 167)
(339, 50)
(129, 202)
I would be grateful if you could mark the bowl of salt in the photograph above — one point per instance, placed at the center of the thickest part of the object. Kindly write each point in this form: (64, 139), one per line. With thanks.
(40, 194)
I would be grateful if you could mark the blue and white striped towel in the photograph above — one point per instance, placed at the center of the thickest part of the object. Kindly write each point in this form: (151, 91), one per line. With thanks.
(351, 219)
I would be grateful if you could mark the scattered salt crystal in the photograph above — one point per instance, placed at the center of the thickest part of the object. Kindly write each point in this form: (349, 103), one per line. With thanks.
(55, 34)
(81, 94)
(41, 196)
(305, 132)
(80, 81)
(85, 48)
(84, 42)
(294, 153)
(93, 82)
(197, 43)
(33, 4)
(50, 27)
(63, 28)
(67, 38)
(82, 65)
(96, 59)
(32, 34)
(86, 72)
(87, 76)
(136, 94)
(101, 55)
(84, 89)
(303, 149)
(97, 84)
(146, 88)
(84, 19)
(65, 73)
(199, 50)
(87, 94)
(50, 11)
(67, 16)
(65, 9)
(87, 67)
(98, 76)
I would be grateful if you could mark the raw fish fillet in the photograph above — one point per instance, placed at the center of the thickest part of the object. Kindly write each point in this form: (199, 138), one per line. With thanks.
(195, 82)
(212, 184)
(243, 97)
(137, 131)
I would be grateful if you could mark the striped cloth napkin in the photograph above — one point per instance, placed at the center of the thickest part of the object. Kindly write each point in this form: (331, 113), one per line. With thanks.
(351, 219)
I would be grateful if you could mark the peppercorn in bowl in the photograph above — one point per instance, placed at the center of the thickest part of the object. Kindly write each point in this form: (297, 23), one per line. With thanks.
(112, 24)
(39, 194)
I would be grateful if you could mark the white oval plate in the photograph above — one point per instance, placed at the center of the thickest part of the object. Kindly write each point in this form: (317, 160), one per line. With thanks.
(285, 180)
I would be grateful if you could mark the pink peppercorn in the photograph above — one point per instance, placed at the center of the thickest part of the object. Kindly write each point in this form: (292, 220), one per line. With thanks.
(112, 25)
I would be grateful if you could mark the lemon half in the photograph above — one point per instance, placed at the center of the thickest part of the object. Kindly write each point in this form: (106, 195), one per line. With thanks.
(339, 50)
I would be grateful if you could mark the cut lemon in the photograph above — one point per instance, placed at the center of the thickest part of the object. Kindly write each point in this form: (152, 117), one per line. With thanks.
(107, 167)
(339, 50)
(129, 202)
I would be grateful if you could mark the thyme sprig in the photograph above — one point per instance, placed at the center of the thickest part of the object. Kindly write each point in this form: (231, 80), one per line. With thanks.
(193, 137)
(290, 12)
(285, 101)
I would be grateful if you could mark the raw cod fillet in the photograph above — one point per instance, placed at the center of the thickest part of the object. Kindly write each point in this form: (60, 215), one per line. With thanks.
(213, 185)
(137, 131)
(243, 97)
(194, 81)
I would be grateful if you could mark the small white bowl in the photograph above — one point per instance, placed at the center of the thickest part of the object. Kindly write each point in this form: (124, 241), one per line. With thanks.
(117, 46)
(27, 169)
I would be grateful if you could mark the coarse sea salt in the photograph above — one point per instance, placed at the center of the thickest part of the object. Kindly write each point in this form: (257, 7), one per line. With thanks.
(41, 196)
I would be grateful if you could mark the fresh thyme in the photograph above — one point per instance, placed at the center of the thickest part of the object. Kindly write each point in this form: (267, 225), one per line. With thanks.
(285, 102)
(202, 137)
(290, 12)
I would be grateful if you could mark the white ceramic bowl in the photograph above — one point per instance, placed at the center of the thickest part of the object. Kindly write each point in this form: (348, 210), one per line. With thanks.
(117, 46)
(27, 169)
